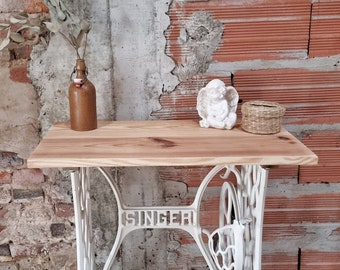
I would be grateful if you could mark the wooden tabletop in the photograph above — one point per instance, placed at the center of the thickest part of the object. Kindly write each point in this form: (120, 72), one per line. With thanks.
(165, 143)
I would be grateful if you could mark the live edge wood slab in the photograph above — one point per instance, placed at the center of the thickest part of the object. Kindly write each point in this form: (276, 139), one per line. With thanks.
(165, 143)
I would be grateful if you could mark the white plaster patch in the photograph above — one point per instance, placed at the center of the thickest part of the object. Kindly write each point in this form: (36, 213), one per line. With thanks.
(18, 116)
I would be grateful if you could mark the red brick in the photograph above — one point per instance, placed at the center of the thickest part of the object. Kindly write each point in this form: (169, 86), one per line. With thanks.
(319, 260)
(28, 177)
(23, 52)
(325, 144)
(283, 172)
(26, 6)
(280, 261)
(325, 29)
(255, 30)
(310, 97)
(272, 233)
(320, 208)
(5, 177)
(23, 251)
(192, 176)
(181, 103)
(3, 211)
(35, 6)
(18, 72)
(21, 195)
(64, 210)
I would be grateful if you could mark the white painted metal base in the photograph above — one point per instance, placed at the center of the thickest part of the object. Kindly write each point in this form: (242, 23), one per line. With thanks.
(82, 214)
(236, 244)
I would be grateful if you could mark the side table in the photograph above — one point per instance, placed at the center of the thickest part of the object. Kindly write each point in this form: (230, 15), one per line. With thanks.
(237, 242)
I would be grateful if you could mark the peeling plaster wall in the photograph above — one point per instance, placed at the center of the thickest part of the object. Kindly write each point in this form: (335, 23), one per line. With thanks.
(51, 69)
(201, 35)
(127, 64)
(18, 116)
(142, 72)
(141, 68)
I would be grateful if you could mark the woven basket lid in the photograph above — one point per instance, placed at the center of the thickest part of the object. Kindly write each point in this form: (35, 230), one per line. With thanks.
(260, 108)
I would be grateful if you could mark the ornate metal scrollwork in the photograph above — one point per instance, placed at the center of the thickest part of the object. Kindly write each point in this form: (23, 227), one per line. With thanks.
(82, 208)
(236, 244)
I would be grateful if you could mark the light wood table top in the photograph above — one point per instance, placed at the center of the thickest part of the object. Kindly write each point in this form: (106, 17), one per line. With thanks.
(165, 143)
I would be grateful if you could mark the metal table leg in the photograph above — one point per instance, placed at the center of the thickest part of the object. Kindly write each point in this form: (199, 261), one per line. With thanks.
(82, 214)
(235, 245)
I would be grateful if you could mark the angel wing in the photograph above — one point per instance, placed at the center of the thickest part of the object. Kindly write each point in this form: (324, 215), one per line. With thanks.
(232, 98)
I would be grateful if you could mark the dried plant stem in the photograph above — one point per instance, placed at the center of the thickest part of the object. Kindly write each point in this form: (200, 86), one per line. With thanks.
(71, 43)
(85, 46)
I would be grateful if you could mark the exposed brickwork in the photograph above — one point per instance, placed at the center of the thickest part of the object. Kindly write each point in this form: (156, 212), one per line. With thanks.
(27, 6)
(5, 177)
(28, 177)
(22, 52)
(58, 229)
(25, 213)
(280, 261)
(283, 38)
(299, 90)
(325, 31)
(326, 145)
(22, 251)
(286, 36)
(18, 72)
(253, 30)
(24, 194)
(10, 159)
(32, 233)
(181, 103)
(316, 260)
(64, 210)
(321, 208)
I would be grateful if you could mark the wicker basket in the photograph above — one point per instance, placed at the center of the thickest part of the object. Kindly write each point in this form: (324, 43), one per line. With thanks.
(262, 117)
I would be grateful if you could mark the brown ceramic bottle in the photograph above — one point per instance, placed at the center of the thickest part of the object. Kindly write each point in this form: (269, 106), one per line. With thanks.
(82, 99)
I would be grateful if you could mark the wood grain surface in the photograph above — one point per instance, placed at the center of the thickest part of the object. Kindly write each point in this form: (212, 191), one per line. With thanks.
(165, 143)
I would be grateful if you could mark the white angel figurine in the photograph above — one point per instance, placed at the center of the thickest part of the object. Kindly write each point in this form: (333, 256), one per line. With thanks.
(217, 104)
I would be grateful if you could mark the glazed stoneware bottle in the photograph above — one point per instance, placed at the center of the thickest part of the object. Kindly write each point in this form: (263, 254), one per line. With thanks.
(82, 100)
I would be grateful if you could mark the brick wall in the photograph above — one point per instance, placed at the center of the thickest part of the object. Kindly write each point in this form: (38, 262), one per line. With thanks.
(280, 50)
(284, 51)
(36, 219)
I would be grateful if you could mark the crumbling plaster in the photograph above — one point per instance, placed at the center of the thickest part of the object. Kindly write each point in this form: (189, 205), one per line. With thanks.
(127, 64)
(18, 115)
